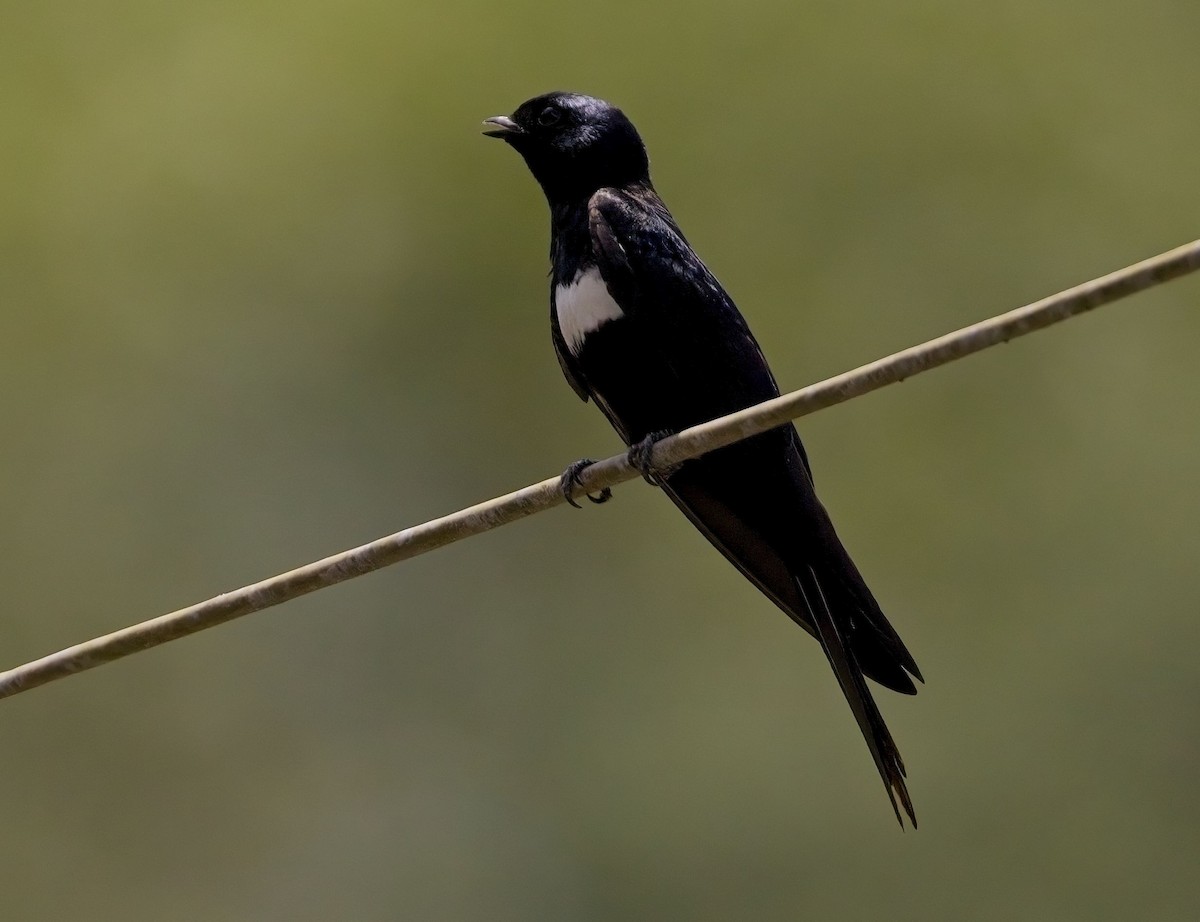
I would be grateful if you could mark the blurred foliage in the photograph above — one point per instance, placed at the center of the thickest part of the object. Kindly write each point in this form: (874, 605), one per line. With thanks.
(267, 294)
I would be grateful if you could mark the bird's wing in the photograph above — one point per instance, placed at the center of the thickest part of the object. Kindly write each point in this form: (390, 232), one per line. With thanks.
(657, 280)
(649, 266)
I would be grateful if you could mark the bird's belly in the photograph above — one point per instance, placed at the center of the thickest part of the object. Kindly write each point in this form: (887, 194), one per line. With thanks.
(583, 307)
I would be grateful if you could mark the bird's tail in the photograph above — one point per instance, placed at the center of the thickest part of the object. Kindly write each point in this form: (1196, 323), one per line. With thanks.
(834, 631)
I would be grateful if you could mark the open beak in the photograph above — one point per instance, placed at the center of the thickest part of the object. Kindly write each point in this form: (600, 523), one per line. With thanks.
(505, 127)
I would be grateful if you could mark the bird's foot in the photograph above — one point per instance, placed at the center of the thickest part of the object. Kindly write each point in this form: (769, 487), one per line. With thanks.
(639, 457)
(570, 480)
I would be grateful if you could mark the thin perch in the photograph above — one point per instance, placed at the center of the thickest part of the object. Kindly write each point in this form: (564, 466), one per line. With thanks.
(690, 443)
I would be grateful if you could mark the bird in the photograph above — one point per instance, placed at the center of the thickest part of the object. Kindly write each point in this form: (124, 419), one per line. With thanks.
(645, 331)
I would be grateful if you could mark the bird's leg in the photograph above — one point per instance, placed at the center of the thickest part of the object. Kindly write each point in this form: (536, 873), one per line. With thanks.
(570, 480)
(639, 458)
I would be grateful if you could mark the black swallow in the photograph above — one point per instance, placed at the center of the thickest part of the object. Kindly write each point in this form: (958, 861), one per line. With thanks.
(642, 327)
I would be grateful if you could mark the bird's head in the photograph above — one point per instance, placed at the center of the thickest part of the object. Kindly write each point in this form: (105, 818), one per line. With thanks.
(574, 144)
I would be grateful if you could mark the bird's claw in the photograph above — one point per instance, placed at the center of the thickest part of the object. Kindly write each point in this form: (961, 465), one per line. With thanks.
(639, 458)
(570, 480)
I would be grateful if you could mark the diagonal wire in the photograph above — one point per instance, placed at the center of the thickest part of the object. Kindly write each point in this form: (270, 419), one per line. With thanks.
(420, 539)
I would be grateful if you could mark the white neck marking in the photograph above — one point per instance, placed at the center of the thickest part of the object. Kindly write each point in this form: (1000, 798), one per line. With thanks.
(583, 307)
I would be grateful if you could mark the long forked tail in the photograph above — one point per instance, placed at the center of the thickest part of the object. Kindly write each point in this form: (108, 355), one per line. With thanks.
(854, 687)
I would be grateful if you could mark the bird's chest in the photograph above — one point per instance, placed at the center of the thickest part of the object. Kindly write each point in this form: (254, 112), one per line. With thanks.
(583, 306)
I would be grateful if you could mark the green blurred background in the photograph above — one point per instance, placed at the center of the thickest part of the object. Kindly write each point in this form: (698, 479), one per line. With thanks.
(267, 294)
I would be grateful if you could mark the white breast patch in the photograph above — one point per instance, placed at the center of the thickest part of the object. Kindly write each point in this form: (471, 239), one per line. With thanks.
(583, 306)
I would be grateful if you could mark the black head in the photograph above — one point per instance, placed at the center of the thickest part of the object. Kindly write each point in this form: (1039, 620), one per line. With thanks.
(574, 144)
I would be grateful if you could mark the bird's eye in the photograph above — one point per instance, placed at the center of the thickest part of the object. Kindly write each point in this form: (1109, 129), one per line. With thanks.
(551, 115)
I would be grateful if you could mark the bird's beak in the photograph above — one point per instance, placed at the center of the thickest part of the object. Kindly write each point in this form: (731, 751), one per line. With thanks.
(505, 127)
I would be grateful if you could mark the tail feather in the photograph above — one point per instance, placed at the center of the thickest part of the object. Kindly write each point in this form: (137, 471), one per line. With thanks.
(877, 647)
(835, 642)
